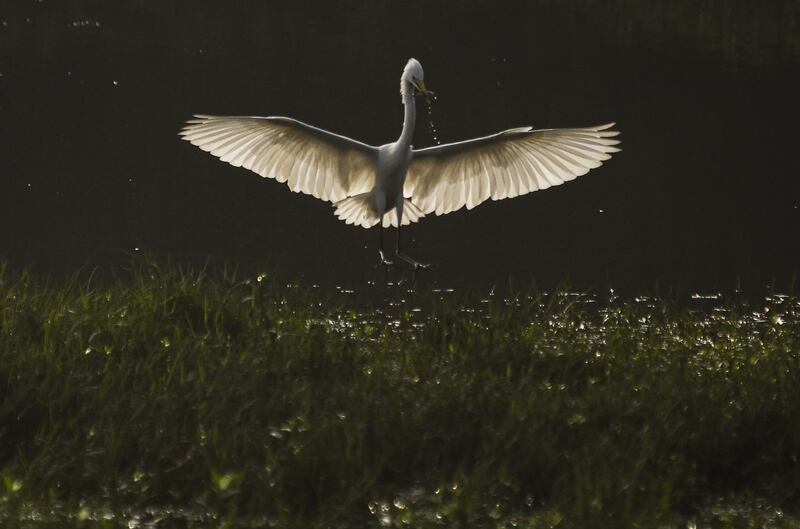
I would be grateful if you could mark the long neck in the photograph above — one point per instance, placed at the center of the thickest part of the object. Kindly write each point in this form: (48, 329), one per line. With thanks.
(407, 91)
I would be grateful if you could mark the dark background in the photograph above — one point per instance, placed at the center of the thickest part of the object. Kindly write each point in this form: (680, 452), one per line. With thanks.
(704, 196)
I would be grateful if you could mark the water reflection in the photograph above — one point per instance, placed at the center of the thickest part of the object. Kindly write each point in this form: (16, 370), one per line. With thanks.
(414, 507)
(717, 319)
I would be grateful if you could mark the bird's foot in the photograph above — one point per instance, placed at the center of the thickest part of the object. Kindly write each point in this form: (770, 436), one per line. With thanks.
(413, 262)
(384, 261)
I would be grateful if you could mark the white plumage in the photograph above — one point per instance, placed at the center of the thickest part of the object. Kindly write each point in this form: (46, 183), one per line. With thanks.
(365, 182)
(505, 165)
(310, 160)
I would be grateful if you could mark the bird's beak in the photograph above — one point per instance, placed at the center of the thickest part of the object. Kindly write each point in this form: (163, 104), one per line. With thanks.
(420, 85)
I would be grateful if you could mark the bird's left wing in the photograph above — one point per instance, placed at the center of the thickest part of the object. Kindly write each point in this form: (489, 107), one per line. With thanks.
(513, 162)
(310, 160)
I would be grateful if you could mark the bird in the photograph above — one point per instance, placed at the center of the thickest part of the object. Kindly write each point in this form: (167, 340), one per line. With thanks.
(365, 183)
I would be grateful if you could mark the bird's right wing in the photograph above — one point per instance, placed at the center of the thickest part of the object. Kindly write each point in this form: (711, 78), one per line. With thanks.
(448, 177)
(310, 160)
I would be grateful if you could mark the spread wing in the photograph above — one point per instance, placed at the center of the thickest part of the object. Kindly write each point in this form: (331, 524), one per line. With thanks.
(513, 162)
(310, 160)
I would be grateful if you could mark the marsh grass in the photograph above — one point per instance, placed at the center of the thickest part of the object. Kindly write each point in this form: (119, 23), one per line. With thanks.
(168, 396)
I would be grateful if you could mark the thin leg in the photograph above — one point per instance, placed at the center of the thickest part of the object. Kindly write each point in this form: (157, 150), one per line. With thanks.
(413, 262)
(384, 260)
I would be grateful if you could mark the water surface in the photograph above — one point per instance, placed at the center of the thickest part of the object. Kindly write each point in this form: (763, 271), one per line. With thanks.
(704, 195)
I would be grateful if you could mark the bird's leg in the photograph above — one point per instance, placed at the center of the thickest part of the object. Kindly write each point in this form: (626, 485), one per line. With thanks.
(410, 260)
(384, 261)
(413, 262)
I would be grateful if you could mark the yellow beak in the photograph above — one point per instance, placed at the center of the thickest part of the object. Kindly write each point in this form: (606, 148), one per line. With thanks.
(423, 89)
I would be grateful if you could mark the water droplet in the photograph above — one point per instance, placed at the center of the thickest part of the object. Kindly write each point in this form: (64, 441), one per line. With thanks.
(431, 127)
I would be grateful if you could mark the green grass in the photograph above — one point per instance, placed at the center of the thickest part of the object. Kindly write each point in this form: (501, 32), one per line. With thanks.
(215, 400)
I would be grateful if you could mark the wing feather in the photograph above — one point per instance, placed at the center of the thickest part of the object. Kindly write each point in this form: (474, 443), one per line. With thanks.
(309, 159)
(514, 162)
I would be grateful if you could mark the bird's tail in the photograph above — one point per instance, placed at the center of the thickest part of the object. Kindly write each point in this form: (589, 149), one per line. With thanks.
(411, 214)
(357, 210)
(360, 211)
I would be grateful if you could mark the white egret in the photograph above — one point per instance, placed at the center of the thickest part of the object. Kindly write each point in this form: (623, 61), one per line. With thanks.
(365, 183)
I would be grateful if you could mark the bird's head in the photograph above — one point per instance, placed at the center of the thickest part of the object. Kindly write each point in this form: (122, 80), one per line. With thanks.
(413, 75)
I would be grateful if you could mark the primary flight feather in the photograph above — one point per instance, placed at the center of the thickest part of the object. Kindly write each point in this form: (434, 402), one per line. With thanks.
(365, 183)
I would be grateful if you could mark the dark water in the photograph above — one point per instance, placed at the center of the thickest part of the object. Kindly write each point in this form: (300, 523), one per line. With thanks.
(704, 196)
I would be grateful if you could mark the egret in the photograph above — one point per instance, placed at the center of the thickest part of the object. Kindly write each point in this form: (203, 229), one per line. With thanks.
(365, 183)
